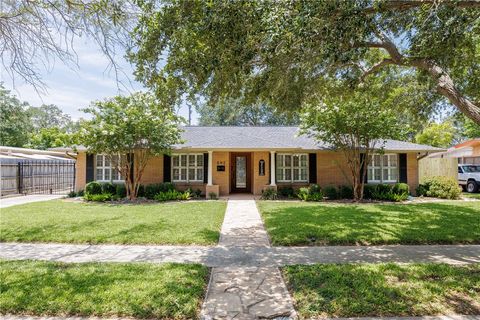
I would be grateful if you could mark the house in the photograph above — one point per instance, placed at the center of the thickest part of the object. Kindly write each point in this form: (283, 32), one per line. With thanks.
(241, 159)
(467, 152)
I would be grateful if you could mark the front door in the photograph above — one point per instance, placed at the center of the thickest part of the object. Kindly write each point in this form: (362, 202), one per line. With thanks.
(240, 174)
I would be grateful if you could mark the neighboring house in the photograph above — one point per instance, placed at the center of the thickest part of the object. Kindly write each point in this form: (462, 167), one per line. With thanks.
(467, 152)
(241, 159)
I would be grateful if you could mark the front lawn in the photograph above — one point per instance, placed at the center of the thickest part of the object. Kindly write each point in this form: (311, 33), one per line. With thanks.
(102, 289)
(471, 195)
(364, 290)
(297, 223)
(75, 222)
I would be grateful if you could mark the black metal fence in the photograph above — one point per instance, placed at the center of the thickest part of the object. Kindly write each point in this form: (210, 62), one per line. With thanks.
(38, 177)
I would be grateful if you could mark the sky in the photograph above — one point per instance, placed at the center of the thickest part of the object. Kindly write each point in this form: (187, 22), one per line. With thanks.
(73, 87)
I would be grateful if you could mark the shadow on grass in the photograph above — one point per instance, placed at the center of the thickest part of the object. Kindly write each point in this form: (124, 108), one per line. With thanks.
(137, 290)
(384, 289)
(325, 224)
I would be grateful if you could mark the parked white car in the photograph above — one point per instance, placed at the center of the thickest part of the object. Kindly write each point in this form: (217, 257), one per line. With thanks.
(469, 177)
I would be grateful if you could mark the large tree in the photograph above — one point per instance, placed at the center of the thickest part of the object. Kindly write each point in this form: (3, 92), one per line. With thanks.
(440, 135)
(234, 113)
(130, 130)
(356, 123)
(284, 52)
(15, 125)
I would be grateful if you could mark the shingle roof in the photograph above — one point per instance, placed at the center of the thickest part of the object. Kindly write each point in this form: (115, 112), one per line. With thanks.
(278, 137)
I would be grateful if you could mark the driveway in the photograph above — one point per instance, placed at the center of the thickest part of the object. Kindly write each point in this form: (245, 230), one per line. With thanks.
(13, 201)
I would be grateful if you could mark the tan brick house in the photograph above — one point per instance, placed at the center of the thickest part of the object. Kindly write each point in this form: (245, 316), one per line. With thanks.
(242, 159)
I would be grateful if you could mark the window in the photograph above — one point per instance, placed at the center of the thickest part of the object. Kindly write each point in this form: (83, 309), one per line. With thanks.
(105, 171)
(187, 167)
(383, 168)
(292, 167)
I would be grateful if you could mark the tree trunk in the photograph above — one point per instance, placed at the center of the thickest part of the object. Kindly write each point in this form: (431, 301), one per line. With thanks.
(446, 87)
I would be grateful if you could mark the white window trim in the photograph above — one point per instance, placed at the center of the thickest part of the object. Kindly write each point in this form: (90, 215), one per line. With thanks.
(381, 167)
(187, 167)
(103, 171)
(280, 166)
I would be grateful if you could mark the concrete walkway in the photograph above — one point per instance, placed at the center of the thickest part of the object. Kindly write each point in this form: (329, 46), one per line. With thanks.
(13, 201)
(246, 292)
(236, 256)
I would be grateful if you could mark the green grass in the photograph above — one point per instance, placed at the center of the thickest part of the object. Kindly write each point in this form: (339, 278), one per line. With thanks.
(106, 289)
(471, 195)
(296, 223)
(61, 221)
(384, 289)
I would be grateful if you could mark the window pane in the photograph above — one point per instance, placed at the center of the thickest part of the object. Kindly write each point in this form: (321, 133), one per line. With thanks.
(200, 160)
(191, 174)
(280, 160)
(393, 160)
(370, 174)
(385, 161)
(99, 160)
(107, 173)
(288, 160)
(191, 160)
(377, 174)
(280, 176)
(376, 160)
(385, 174)
(176, 174)
(296, 176)
(115, 175)
(200, 174)
(99, 174)
(288, 174)
(183, 174)
(303, 174)
(295, 161)
(303, 160)
(393, 175)
(183, 160)
(175, 161)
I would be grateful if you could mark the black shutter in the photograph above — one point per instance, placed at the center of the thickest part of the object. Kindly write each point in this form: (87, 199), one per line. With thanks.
(363, 163)
(205, 168)
(312, 167)
(402, 159)
(166, 168)
(90, 168)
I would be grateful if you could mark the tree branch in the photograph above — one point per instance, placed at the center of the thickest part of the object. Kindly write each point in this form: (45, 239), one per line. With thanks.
(402, 5)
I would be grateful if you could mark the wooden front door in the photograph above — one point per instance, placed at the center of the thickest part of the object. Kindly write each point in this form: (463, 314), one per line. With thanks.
(240, 172)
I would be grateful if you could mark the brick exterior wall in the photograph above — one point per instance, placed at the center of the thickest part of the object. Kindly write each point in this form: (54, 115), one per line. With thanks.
(260, 182)
(331, 170)
(221, 178)
(80, 171)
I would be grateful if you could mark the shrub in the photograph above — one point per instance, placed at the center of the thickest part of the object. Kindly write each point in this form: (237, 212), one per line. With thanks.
(382, 192)
(72, 194)
(302, 194)
(152, 189)
(212, 195)
(194, 193)
(442, 187)
(330, 192)
(269, 194)
(166, 196)
(421, 190)
(368, 191)
(345, 192)
(80, 193)
(183, 195)
(93, 188)
(401, 188)
(314, 188)
(286, 192)
(141, 191)
(102, 197)
(315, 196)
(120, 190)
(108, 187)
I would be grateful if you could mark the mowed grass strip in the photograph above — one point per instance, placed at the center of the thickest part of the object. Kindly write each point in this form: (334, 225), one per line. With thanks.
(196, 222)
(384, 290)
(296, 223)
(135, 290)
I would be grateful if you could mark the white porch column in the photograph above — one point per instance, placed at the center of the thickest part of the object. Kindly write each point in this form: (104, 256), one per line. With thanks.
(272, 168)
(210, 168)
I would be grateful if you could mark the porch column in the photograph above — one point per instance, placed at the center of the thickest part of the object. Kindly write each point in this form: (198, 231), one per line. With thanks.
(272, 168)
(210, 169)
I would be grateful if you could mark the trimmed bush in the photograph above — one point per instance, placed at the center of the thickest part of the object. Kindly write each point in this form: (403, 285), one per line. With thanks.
(80, 193)
(368, 191)
(345, 192)
(441, 187)
(153, 189)
(269, 194)
(310, 194)
(120, 190)
(330, 192)
(93, 188)
(314, 188)
(102, 197)
(108, 187)
(72, 194)
(401, 188)
(286, 192)
(141, 191)
(302, 193)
